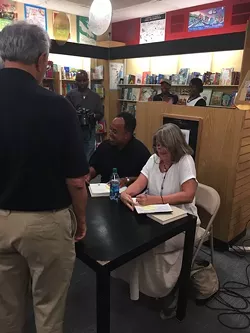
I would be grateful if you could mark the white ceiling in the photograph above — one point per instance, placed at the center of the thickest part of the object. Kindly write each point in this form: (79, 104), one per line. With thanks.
(122, 9)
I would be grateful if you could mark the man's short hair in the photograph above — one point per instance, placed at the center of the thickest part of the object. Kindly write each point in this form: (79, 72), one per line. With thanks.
(129, 120)
(23, 42)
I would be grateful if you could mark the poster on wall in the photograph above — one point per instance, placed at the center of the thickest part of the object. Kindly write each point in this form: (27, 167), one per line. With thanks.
(206, 19)
(115, 74)
(36, 15)
(84, 35)
(152, 29)
(61, 27)
(7, 15)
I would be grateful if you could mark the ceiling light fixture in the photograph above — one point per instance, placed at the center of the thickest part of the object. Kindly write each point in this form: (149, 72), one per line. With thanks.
(100, 15)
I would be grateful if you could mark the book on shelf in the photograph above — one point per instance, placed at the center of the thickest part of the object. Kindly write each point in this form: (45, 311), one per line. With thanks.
(50, 70)
(216, 98)
(131, 79)
(226, 98)
(235, 78)
(206, 78)
(145, 77)
(138, 79)
(163, 219)
(129, 94)
(159, 78)
(183, 76)
(97, 73)
(175, 78)
(207, 94)
(147, 94)
(226, 76)
(215, 79)
(99, 89)
(135, 96)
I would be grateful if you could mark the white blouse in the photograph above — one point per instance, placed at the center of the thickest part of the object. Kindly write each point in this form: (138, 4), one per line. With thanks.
(176, 175)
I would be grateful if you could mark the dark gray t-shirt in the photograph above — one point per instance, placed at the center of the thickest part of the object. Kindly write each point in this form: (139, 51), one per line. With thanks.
(87, 99)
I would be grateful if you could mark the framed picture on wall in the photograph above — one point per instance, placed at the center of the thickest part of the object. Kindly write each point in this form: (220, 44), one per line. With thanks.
(36, 15)
(191, 128)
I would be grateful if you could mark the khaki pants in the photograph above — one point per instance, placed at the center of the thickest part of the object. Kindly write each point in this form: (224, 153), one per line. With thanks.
(36, 247)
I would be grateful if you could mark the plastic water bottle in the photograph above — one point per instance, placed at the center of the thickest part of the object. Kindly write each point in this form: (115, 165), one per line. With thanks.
(114, 186)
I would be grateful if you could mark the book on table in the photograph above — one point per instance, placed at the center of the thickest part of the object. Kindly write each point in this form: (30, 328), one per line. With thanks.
(165, 218)
(101, 190)
(151, 209)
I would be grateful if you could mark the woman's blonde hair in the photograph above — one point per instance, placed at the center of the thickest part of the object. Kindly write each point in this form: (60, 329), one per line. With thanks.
(171, 137)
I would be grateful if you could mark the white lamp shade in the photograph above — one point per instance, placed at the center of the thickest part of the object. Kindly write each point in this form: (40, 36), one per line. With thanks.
(100, 15)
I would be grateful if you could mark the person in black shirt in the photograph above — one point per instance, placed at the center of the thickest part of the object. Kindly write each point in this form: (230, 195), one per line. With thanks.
(122, 151)
(89, 109)
(42, 167)
(196, 88)
(165, 95)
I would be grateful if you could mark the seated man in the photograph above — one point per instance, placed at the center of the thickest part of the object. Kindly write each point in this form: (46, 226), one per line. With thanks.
(122, 151)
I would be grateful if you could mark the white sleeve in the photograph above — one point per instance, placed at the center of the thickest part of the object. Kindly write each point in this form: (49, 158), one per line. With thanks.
(187, 169)
(148, 167)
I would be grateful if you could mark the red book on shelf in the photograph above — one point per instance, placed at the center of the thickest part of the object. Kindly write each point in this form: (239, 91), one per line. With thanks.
(49, 70)
(144, 77)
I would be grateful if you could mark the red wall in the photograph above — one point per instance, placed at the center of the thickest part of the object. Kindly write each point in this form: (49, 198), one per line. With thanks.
(237, 12)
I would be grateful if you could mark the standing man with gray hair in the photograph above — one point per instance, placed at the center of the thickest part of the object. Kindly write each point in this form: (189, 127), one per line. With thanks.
(42, 173)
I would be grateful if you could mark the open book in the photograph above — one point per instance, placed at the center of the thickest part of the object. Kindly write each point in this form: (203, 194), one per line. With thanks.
(101, 190)
(164, 218)
(151, 209)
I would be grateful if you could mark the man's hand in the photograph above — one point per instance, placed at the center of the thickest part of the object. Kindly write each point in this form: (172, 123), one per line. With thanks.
(81, 231)
(87, 178)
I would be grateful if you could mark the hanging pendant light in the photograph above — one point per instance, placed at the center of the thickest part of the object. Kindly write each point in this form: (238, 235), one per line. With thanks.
(100, 15)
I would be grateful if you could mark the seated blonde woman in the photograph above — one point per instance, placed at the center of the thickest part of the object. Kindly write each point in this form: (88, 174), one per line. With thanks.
(169, 177)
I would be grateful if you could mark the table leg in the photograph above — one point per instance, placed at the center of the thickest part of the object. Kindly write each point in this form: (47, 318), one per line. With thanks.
(103, 301)
(185, 272)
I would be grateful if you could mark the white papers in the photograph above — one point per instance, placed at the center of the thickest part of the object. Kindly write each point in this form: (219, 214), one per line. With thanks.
(102, 190)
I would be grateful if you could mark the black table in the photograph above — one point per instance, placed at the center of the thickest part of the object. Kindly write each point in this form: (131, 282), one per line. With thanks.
(115, 236)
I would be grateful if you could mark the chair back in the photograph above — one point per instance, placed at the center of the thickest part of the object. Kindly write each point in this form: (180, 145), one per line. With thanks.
(207, 198)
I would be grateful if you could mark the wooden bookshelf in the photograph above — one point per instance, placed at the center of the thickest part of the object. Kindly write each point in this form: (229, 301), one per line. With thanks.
(54, 82)
(175, 85)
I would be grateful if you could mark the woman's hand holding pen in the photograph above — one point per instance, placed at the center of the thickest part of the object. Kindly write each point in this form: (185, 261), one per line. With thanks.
(145, 199)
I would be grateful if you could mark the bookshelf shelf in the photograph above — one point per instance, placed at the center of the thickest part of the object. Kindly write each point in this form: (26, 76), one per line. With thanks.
(127, 100)
(175, 85)
(68, 80)
(48, 78)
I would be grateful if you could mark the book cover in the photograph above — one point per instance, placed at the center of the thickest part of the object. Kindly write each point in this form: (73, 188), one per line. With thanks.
(146, 94)
(206, 78)
(126, 79)
(129, 94)
(97, 73)
(160, 78)
(226, 98)
(207, 94)
(135, 94)
(138, 79)
(226, 76)
(50, 70)
(131, 79)
(215, 79)
(183, 76)
(144, 77)
(176, 214)
(232, 99)
(216, 98)
(99, 89)
(126, 93)
(175, 78)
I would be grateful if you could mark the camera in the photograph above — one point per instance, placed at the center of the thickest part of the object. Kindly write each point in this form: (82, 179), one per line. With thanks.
(86, 117)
